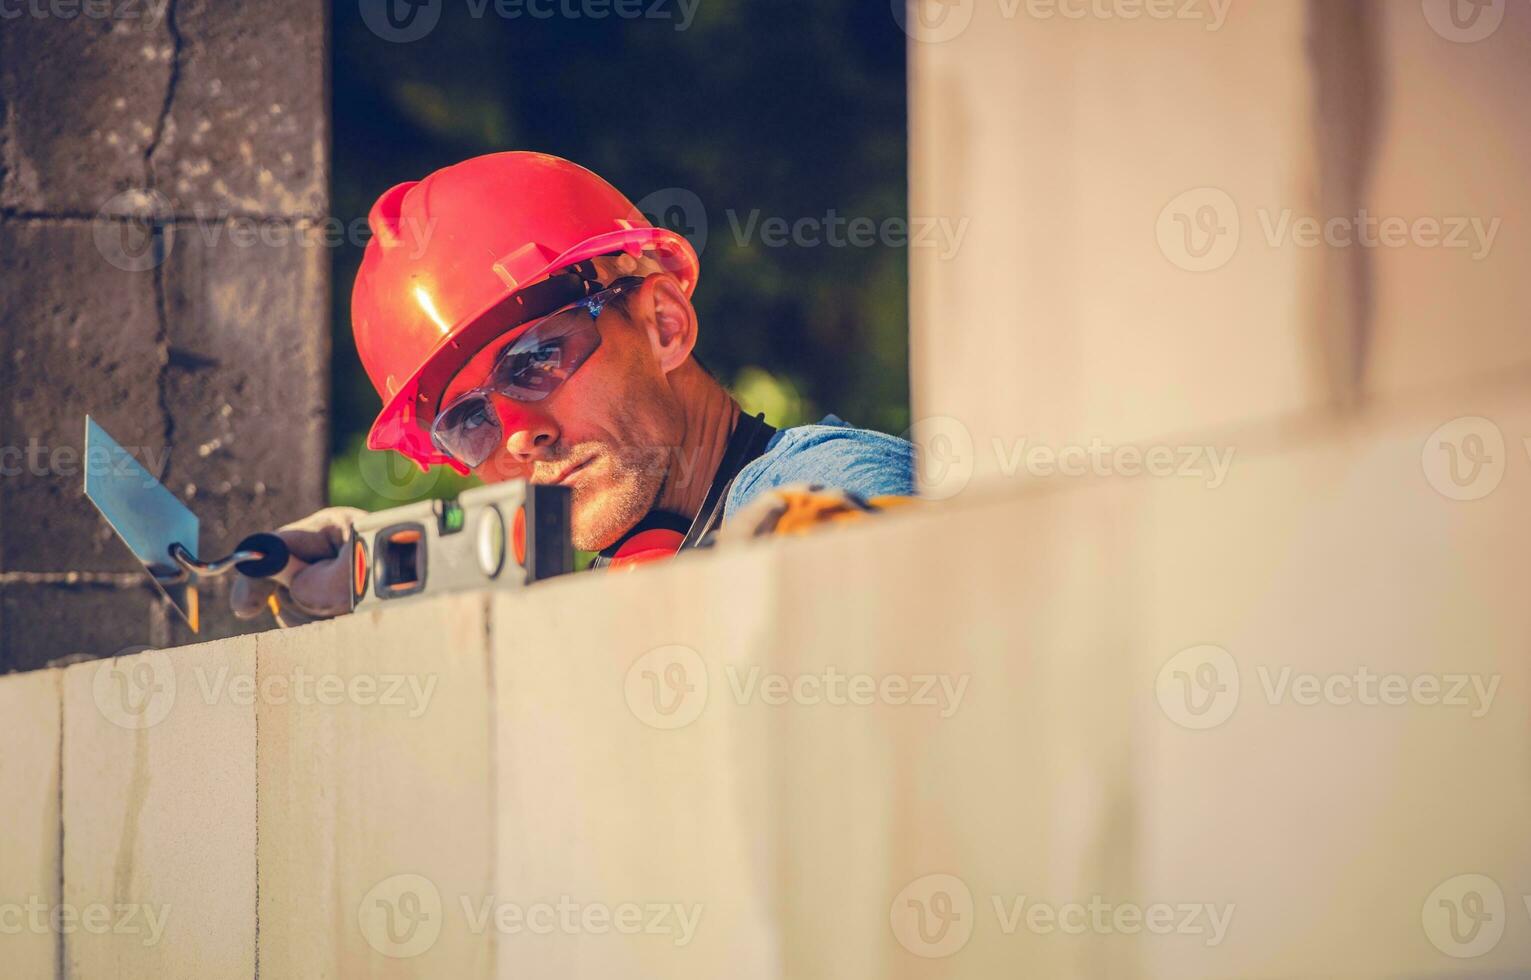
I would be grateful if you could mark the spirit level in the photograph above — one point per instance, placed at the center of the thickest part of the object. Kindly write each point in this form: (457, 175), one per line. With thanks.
(509, 534)
(505, 534)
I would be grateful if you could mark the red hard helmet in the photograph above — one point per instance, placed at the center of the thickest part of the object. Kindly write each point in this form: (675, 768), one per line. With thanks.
(452, 265)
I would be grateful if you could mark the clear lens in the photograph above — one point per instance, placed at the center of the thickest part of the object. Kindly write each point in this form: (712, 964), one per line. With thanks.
(468, 430)
(543, 358)
(529, 370)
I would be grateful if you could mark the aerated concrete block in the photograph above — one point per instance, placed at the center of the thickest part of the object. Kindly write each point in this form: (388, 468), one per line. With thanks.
(626, 786)
(805, 742)
(159, 813)
(376, 794)
(30, 872)
(1120, 192)
(1332, 700)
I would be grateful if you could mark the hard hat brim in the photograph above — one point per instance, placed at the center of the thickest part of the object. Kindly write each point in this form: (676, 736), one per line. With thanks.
(403, 424)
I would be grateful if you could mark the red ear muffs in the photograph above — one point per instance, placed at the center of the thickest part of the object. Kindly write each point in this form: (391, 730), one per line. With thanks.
(655, 544)
(657, 537)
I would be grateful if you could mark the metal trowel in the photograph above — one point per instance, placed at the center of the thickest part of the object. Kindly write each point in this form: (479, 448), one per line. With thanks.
(161, 531)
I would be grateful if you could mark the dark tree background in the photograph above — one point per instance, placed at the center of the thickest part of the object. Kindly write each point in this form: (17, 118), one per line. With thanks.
(784, 109)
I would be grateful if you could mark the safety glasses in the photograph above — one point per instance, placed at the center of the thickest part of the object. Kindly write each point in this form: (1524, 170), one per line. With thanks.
(529, 369)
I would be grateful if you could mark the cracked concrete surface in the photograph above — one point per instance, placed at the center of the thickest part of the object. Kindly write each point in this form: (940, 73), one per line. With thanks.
(130, 148)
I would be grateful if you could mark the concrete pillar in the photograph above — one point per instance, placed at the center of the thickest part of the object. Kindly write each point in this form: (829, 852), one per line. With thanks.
(163, 164)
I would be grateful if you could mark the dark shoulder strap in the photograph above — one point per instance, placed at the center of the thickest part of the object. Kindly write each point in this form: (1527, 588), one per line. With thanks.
(748, 443)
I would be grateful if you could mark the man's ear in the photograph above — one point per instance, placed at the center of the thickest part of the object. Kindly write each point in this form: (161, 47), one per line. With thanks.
(667, 316)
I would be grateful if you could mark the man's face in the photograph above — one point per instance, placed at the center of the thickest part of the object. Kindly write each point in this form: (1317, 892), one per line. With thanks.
(609, 432)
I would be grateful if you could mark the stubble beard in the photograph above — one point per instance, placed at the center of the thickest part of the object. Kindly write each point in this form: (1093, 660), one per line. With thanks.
(636, 473)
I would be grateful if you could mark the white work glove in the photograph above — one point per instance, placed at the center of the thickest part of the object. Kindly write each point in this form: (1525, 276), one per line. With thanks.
(317, 579)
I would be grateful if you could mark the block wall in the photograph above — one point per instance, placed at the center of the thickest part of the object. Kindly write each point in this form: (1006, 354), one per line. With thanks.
(163, 182)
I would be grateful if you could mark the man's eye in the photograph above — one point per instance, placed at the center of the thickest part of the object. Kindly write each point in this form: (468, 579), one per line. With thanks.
(473, 418)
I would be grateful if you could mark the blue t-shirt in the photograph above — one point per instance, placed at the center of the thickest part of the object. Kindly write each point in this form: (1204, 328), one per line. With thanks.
(833, 454)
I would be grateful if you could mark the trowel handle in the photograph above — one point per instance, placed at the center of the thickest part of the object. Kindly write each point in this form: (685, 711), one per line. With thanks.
(272, 555)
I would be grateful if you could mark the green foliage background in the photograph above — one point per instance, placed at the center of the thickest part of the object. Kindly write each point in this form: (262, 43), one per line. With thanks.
(788, 108)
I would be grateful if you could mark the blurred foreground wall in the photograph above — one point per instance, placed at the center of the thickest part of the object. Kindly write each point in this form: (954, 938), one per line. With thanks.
(163, 170)
(1206, 222)
(1083, 734)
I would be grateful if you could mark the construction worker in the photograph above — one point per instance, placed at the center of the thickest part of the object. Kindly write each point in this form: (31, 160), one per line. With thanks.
(520, 319)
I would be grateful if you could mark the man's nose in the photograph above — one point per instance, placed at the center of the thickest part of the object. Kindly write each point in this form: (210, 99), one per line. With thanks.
(530, 435)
